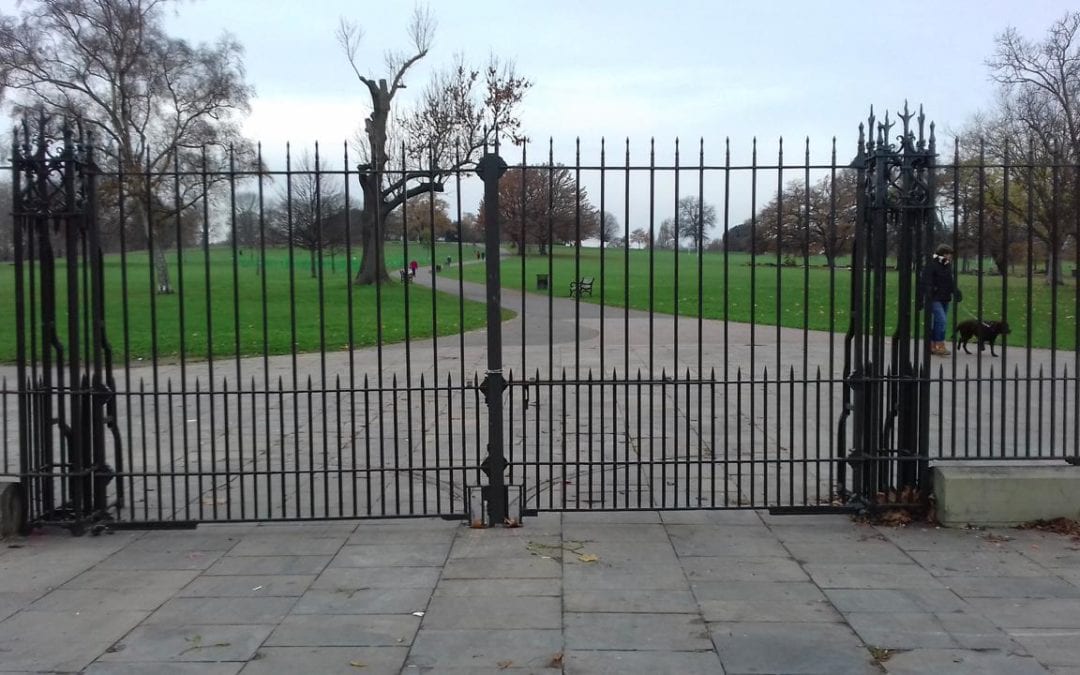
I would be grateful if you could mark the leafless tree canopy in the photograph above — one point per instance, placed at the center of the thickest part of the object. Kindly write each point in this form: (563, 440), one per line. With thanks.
(154, 102)
(1036, 121)
(460, 111)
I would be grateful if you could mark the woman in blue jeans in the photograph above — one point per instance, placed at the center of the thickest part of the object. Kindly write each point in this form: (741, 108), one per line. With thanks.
(940, 287)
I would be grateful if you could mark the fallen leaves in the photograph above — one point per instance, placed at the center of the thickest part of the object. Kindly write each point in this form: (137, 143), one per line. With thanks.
(880, 654)
(555, 551)
(1063, 526)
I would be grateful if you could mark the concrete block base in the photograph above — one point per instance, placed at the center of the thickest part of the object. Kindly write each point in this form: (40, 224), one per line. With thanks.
(989, 494)
(12, 509)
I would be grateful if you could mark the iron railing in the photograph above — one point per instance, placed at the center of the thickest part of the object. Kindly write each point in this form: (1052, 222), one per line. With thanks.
(268, 387)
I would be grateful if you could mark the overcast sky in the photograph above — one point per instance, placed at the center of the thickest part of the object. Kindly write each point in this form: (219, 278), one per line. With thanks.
(622, 69)
(616, 69)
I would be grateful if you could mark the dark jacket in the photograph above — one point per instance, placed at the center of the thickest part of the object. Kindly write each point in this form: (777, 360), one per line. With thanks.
(938, 284)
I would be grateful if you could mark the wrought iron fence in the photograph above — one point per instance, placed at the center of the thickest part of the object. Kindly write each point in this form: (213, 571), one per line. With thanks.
(655, 371)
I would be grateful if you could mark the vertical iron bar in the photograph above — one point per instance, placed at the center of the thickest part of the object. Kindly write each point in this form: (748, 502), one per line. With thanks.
(490, 169)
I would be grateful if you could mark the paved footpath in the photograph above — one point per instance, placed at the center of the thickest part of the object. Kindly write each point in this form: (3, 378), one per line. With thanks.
(645, 592)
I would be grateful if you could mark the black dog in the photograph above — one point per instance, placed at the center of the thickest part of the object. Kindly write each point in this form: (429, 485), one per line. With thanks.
(983, 331)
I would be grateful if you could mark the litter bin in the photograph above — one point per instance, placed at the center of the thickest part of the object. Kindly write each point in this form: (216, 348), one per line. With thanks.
(541, 282)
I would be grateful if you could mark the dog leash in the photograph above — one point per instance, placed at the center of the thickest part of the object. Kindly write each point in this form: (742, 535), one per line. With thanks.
(972, 315)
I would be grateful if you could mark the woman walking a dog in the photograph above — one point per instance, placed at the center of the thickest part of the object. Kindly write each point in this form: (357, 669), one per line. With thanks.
(940, 288)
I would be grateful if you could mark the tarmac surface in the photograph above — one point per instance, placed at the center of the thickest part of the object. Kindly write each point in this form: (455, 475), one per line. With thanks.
(633, 592)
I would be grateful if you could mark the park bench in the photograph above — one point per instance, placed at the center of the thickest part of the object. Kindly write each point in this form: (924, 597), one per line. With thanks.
(583, 285)
(406, 276)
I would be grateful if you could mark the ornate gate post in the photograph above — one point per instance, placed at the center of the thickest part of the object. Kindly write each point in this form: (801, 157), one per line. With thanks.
(888, 364)
(66, 390)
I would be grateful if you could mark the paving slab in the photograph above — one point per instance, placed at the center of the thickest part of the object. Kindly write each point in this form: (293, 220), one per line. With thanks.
(61, 641)
(613, 662)
(356, 578)
(392, 555)
(187, 642)
(1052, 648)
(363, 601)
(514, 588)
(900, 630)
(477, 650)
(872, 575)
(160, 560)
(521, 568)
(494, 612)
(686, 591)
(328, 660)
(1013, 587)
(798, 649)
(961, 662)
(164, 668)
(631, 601)
(270, 564)
(288, 543)
(978, 564)
(891, 600)
(1057, 613)
(739, 569)
(642, 632)
(243, 586)
(102, 600)
(603, 576)
(972, 631)
(350, 630)
(230, 610)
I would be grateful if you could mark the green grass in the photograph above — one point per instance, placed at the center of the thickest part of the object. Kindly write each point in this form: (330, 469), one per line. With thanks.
(807, 294)
(281, 287)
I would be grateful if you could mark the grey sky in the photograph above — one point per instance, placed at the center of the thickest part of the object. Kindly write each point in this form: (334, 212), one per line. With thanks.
(639, 69)
(621, 69)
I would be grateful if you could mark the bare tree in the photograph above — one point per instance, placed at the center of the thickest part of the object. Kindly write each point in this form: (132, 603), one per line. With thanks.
(804, 219)
(1038, 105)
(308, 213)
(245, 229)
(610, 230)
(460, 112)
(665, 236)
(155, 102)
(640, 238)
(696, 218)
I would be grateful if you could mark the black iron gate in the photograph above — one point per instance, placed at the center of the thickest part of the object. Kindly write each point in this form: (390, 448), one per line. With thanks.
(66, 400)
(783, 368)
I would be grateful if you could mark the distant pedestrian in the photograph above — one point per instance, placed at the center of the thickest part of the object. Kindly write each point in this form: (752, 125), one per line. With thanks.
(938, 290)
(413, 265)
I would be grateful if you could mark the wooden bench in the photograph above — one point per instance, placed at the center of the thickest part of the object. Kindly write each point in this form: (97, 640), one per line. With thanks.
(583, 285)
(406, 276)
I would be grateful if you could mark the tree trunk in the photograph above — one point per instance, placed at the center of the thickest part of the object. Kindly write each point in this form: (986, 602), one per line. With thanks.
(161, 271)
(1054, 273)
(372, 266)
(157, 257)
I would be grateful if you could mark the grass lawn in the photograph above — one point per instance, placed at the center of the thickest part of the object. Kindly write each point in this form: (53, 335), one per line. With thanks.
(808, 294)
(316, 323)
